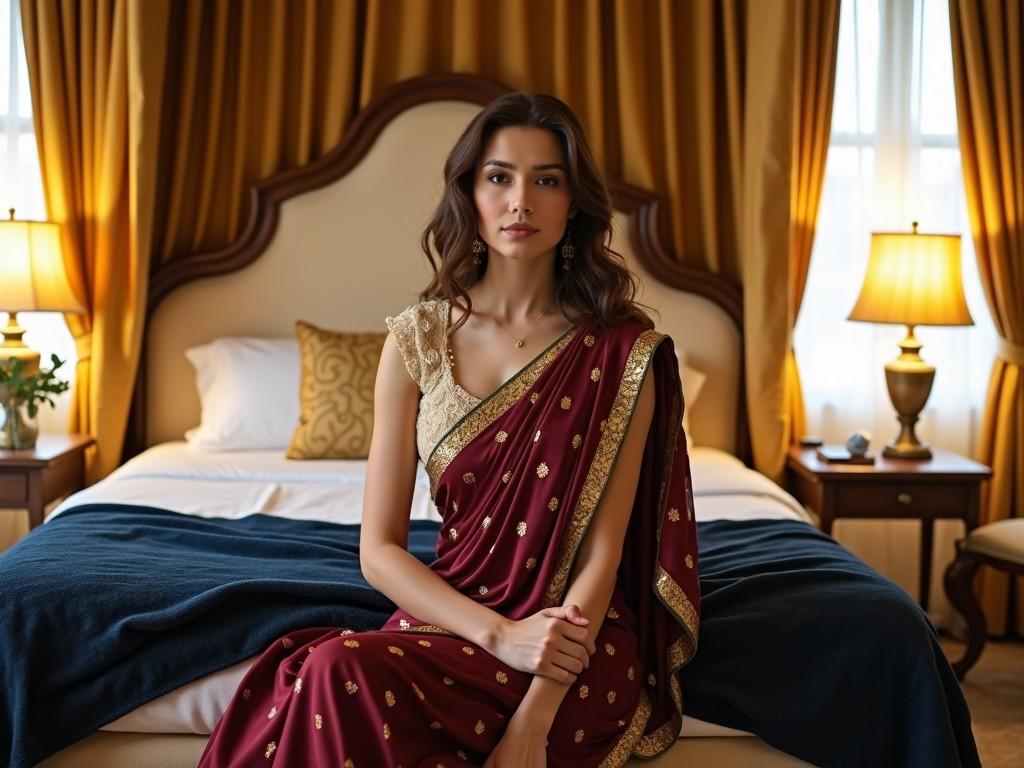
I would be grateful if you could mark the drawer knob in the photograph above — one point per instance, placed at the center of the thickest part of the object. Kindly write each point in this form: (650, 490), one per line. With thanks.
(904, 498)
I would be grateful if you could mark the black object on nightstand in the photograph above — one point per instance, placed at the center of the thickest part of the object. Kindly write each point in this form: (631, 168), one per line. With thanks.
(32, 479)
(947, 486)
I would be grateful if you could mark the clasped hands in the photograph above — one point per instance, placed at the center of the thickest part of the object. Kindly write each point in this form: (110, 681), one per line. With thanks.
(552, 643)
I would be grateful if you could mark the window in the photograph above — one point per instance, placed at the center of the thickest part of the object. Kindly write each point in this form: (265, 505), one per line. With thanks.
(893, 159)
(21, 188)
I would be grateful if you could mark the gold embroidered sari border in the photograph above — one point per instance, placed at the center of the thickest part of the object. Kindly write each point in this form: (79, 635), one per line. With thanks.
(605, 457)
(479, 418)
(633, 734)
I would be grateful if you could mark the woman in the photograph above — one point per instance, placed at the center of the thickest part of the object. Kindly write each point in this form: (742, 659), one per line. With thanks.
(564, 598)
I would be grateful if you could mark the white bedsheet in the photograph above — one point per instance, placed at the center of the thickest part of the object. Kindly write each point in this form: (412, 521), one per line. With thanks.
(175, 477)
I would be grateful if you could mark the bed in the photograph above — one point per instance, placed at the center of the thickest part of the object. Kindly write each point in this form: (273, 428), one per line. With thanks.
(313, 237)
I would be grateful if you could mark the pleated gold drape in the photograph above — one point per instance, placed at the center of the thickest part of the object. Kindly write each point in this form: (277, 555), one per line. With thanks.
(988, 70)
(722, 108)
(97, 138)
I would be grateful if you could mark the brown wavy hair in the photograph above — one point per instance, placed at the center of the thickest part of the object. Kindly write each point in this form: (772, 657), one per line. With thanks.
(599, 285)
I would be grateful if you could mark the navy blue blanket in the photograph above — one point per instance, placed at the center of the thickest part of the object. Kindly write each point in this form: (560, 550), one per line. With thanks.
(806, 646)
(800, 642)
(109, 606)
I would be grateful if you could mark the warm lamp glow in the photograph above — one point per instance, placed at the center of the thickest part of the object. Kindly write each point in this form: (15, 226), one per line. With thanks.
(913, 279)
(32, 276)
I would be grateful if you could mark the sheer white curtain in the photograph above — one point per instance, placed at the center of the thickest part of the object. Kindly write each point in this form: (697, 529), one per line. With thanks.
(21, 188)
(893, 159)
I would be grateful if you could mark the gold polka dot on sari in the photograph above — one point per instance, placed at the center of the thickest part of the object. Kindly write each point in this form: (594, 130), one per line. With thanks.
(318, 721)
(501, 437)
(611, 697)
(247, 694)
(542, 470)
(389, 698)
(631, 673)
(298, 685)
(578, 736)
(553, 503)
(453, 534)
(469, 478)
(609, 649)
(566, 403)
(403, 624)
(387, 731)
(534, 397)
(448, 681)
(424, 643)
(589, 340)
(612, 613)
(468, 650)
(287, 642)
(351, 643)
(595, 374)
(419, 694)
(350, 687)
(584, 691)
(396, 650)
(479, 727)
(577, 440)
(689, 561)
(435, 725)
(485, 522)
(501, 677)
(652, 680)
(530, 563)
(272, 713)
(506, 477)
(482, 589)
(521, 528)
(271, 749)
(673, 515)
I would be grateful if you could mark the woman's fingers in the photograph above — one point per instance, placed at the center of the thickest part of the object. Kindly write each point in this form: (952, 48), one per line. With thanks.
(558, 674)
(570, 662)
(581, 636)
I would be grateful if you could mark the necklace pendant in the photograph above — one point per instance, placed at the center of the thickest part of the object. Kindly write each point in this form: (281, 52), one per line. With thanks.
(519, 343)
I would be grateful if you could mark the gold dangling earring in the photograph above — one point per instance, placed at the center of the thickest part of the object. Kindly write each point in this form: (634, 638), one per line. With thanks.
(568, 251)
(478, 249)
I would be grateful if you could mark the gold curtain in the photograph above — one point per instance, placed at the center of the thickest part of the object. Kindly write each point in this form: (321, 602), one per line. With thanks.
(97, 141)
(721, 108)
(988, 70)
(252, 89)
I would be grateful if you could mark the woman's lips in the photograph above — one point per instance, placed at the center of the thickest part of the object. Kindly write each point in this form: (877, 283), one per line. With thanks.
(518, 232)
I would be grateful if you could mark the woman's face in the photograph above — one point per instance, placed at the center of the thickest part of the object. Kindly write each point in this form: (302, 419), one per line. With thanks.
(522, 193)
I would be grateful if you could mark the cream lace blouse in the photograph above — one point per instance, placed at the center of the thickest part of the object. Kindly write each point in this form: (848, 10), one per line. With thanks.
(420, 332)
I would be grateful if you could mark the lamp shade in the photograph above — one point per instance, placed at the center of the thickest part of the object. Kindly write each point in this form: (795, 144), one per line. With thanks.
(32, 275)
(913, 279)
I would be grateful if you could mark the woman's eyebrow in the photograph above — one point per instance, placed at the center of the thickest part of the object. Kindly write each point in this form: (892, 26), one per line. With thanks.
(544, 167)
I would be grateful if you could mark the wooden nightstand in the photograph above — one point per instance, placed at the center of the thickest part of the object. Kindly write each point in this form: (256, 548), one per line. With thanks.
(32, 479)
(946, 486)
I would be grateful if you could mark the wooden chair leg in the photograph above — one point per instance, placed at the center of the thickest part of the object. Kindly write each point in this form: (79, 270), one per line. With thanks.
(958, 583)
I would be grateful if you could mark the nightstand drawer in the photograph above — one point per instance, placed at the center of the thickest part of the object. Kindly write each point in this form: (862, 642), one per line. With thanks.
(13, 488)
(896, 499)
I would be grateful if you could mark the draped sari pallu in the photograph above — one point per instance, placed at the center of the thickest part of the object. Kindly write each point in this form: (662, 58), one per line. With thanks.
(517, 481)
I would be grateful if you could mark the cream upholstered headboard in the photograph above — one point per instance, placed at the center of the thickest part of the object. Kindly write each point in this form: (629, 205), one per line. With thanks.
(345, 254)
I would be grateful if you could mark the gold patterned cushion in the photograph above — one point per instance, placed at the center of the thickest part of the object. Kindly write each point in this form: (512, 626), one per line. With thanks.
(336, 393)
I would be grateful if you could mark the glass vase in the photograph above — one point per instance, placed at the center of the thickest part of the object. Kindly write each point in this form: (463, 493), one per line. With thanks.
(18, 430)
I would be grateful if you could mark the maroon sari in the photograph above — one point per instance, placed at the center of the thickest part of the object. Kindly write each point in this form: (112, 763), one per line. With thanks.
(517, 481)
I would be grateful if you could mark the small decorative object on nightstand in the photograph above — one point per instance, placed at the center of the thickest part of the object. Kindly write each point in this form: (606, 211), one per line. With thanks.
(948, 486)
(32, 479)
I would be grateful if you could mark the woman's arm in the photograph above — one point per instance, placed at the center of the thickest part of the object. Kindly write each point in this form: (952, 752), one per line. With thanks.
(597, 562)
(414, 587)
(384, 534)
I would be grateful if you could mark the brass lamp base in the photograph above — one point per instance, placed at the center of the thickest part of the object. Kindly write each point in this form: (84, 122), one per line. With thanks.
(14, 348)
(909, 379)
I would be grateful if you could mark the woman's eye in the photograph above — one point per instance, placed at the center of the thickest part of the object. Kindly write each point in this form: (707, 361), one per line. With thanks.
(497, 178)
(547, 181)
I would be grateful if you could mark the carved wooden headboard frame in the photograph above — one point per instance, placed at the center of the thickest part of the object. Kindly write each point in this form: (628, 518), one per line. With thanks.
(267, 196)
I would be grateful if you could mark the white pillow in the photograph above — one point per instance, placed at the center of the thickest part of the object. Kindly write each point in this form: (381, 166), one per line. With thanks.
(248, 393)
(693, 381)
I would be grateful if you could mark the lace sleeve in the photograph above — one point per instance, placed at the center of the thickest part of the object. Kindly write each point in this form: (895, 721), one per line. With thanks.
(403, 328)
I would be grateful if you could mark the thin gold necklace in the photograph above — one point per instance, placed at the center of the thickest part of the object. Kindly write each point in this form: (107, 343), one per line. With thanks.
(520, 341)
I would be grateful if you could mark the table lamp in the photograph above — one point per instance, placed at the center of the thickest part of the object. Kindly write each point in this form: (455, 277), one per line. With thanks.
(912, 279)
(32, 279)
